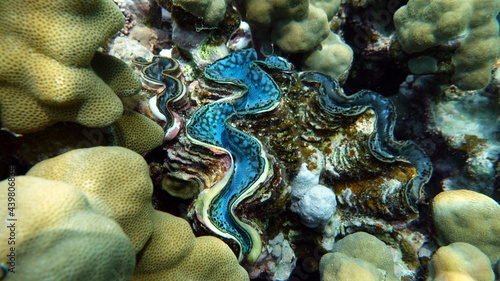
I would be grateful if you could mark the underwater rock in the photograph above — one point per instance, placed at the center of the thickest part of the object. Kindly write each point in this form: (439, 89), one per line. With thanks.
(456, 117)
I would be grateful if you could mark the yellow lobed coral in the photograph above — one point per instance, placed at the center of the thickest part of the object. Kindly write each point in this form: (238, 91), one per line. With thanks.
(212, 11)
(468, 216)
(137, 132)
(341, 267)
(296, 26)
(298, 36)
(334, 58)
(58, 235)
(47, 64)
(470, 24)
(174, 253)
(364, 246)
(116, 180)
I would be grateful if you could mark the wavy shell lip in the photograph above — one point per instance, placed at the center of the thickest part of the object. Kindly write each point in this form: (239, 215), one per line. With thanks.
(171, 91)
(209, 127)
(242, 145)
(381, 144)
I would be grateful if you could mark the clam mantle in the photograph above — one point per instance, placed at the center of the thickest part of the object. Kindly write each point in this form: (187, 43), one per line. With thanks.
(253, 123)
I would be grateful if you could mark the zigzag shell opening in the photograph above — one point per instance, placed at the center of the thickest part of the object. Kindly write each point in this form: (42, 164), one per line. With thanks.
(298, 130)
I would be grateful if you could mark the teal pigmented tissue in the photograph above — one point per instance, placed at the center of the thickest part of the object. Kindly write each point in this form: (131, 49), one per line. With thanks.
(210, 127)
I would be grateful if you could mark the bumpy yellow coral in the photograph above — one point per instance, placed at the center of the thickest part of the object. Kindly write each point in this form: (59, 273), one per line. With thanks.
(137, 132)
(364, 246)
(334, 57)
(468, 216)
(45, 64)
(212, 11)
(58, 235)
(296, 26)
(296, 36)
(173, 253)
(341, 267)
(460, 261)
(116, 180)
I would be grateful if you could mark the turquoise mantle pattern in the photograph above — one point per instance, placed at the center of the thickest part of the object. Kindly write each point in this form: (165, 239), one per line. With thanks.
(257, 93)
(249, 164)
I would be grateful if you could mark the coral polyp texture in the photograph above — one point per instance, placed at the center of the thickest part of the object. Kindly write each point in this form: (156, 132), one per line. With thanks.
(120, 171)
(469, 26)
(64, 226)
(115, 195)
(253, 139)
(51, 70)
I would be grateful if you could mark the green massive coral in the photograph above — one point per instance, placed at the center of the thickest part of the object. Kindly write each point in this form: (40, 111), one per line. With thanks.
(295, 27)
(470, 25)
(51, 71)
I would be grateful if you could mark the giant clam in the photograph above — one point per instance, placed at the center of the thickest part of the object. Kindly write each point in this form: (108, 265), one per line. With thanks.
(252, 124)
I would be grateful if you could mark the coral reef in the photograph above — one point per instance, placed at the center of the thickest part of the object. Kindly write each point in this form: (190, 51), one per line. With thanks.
(278, 140)
(243, 150)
